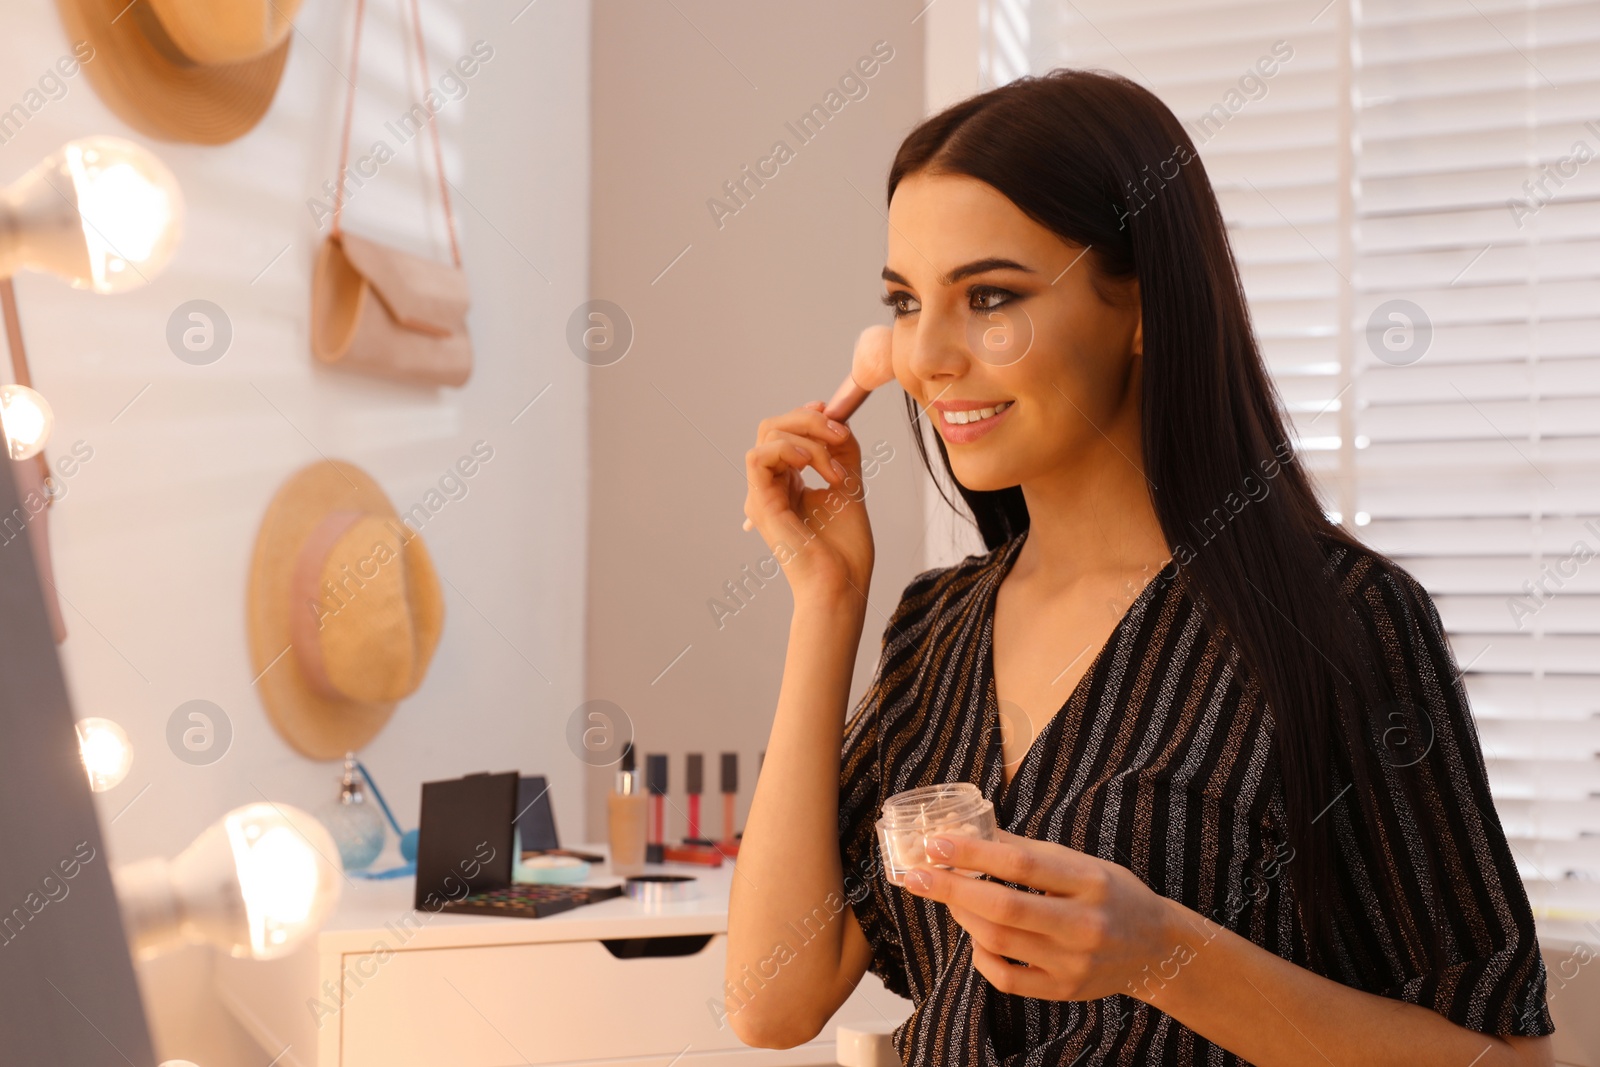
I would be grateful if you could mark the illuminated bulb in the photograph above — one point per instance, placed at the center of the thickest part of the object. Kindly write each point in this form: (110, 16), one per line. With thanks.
(106, 752)
(101, 212)
(255, 884)
(27, 419)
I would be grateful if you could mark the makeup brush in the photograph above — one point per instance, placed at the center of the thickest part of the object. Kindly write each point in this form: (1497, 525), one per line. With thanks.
(871, 366)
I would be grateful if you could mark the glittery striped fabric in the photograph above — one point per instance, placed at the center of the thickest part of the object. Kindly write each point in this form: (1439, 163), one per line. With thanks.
(1161, 760)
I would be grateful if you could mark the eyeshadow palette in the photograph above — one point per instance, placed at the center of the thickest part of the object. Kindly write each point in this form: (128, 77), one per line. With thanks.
(531, 901)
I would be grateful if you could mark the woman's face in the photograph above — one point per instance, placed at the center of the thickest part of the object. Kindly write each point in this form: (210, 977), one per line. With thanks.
(994, 311)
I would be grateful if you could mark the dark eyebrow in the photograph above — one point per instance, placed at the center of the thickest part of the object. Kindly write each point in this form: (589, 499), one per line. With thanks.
(977, 266)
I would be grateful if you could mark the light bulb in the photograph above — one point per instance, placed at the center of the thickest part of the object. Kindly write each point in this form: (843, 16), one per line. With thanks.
(255, 884)
(27, 420)
(106, 752)
(101, 212)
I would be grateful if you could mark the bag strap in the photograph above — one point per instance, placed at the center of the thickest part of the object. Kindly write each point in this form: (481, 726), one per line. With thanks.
(19, 365)
(433, 129)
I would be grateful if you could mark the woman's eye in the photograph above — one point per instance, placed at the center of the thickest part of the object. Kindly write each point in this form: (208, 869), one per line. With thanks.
(903, 303)
(986, 299)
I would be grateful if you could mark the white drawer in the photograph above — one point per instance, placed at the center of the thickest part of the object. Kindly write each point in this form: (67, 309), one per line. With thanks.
(495, 1005)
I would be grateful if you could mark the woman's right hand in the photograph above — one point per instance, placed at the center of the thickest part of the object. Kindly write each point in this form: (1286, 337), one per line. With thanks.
(820, 537)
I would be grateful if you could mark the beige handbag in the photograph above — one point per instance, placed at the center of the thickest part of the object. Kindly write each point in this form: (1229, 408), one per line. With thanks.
(380, 311)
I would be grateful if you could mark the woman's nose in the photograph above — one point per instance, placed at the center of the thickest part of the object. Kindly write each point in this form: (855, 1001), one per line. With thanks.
(939, 351)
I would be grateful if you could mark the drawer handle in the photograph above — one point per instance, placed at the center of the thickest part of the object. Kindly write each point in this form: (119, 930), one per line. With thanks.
(633, 948)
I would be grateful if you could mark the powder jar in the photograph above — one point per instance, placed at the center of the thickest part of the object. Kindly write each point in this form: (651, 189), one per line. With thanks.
(955, 809)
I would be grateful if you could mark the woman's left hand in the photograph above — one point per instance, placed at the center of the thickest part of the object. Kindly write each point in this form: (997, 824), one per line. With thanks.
(1097, 929)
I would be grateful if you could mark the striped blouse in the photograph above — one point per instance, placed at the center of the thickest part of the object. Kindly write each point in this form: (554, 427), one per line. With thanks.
(1161, 760)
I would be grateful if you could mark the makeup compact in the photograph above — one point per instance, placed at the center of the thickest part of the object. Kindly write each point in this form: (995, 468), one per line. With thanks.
(909, 818)
(651, 889)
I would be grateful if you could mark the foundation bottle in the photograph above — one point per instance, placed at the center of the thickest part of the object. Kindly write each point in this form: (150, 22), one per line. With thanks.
(627, 818)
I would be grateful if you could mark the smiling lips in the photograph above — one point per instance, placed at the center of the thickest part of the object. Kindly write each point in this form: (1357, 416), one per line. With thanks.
(964, 421)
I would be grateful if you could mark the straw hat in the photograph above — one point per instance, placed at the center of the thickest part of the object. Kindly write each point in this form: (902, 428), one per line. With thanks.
(344, 609)
(185, 70)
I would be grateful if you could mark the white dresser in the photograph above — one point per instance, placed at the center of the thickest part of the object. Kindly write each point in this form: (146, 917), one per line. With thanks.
(387, 986)
(477, 991)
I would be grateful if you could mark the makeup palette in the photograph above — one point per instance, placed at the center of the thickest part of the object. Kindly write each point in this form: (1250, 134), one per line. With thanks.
(531, 901)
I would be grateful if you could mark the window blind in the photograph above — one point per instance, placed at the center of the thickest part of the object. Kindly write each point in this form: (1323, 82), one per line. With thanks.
(1412, 189)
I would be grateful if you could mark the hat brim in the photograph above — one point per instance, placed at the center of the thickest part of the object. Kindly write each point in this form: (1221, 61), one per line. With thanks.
(317, 726)
(164, 98)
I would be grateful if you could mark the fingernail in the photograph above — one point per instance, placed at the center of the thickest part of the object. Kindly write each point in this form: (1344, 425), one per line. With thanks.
(838, 468)
(940, 846)
(837, 427)
(917, 881)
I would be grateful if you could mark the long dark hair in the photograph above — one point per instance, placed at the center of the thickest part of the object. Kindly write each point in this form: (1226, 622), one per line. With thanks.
(1104, 164)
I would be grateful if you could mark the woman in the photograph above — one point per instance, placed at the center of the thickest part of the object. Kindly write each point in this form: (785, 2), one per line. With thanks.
(1244, 812)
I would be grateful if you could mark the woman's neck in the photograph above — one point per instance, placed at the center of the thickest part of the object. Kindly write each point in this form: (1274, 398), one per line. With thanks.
(1091, 518)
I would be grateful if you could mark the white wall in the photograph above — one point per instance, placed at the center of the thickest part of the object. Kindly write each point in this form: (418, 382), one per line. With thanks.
(759, 315)
(152, 542)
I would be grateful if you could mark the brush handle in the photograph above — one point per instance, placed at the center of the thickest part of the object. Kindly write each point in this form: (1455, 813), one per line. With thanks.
(846, 399)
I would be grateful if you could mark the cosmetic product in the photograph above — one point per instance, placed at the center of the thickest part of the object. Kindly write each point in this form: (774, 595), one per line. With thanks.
(529, 901)
(655, 768)
(693, 782)
(627, 814)
(911, 817)
(542, 869)
(730, 795)
(548, 870)
(652, 889)
(467, 828)
(536, 816)
(871, 367)
(727, 845)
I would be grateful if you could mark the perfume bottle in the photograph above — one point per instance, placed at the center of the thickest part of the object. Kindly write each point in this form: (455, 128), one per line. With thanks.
(353, 821)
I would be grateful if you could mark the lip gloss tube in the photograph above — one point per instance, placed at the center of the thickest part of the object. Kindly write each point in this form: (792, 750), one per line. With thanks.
(656, 783)
(694, 848)
(693, 782)
(730, 795)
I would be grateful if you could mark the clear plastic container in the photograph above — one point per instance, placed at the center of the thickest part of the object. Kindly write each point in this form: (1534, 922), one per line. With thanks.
(956, 809)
